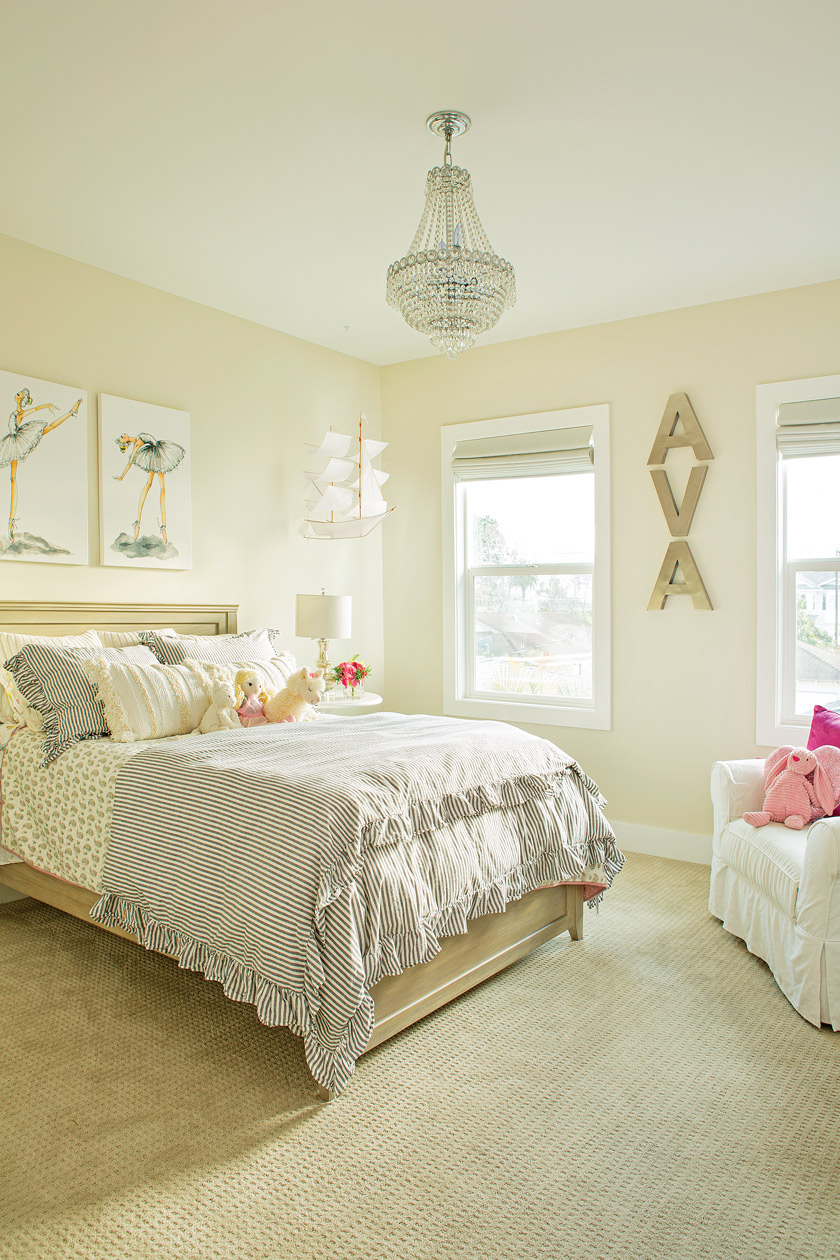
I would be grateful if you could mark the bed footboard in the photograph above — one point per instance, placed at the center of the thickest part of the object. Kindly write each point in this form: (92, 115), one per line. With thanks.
(490, 944)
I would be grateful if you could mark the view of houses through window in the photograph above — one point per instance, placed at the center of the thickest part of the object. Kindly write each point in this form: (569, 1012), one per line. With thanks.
(817, 639)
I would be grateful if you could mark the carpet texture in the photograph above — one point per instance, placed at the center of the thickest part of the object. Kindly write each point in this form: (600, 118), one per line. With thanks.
(647, 1093)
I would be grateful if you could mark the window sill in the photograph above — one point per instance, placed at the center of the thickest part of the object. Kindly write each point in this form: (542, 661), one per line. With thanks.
(786, 733)
(529, 714)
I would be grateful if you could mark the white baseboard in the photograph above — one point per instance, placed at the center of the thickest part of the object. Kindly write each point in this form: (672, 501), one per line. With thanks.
(683, 846)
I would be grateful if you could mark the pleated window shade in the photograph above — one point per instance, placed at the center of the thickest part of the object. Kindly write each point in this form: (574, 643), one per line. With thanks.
(808, 428)
(548, 452)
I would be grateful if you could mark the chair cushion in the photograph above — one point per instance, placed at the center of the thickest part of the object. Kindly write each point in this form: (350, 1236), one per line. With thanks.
(770, 858)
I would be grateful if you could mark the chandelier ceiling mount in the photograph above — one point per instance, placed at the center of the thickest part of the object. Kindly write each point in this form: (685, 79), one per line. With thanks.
(448, 124)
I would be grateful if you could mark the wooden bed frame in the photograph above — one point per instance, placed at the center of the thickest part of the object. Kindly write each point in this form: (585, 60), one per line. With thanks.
(490, 944)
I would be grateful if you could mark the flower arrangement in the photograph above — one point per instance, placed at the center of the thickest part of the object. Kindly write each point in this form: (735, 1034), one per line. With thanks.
(351, 674)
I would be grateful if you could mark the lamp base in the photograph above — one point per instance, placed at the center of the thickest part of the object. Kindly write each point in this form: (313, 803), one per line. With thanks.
(323, 663)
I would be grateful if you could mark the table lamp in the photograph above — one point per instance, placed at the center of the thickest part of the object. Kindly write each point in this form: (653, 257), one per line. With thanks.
(323, 617)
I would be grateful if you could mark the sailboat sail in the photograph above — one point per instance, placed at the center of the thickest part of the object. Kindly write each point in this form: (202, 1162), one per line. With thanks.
(345, 499)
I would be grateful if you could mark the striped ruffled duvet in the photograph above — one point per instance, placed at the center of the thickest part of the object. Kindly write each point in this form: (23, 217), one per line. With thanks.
(297, 864)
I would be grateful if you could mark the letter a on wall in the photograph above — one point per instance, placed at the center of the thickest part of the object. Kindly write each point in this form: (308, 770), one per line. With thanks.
(678, 556)
(679, 410)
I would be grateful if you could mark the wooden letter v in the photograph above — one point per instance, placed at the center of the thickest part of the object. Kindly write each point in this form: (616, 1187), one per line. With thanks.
(679, 521)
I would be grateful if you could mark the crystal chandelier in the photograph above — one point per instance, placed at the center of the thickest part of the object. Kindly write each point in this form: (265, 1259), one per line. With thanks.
(450, 285)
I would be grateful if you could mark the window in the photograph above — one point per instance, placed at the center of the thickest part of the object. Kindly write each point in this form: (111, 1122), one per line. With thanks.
(798, 555)
(526, 568)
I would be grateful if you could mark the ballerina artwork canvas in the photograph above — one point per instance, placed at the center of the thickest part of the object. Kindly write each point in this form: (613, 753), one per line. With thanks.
(144, 465)
(43, 471)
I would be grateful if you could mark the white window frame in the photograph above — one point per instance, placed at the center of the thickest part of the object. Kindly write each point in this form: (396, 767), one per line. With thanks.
(776, 722)
(596, 714)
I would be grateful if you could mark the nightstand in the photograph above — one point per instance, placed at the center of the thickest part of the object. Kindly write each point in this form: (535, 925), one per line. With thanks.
(370, 700)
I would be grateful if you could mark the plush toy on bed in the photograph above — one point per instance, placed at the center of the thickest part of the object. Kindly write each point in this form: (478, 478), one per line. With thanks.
(294, 703)
(800, 786)
(250, 698)
(222, 715)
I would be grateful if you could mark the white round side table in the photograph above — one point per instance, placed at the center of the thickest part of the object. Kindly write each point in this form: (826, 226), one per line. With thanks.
(370, 700)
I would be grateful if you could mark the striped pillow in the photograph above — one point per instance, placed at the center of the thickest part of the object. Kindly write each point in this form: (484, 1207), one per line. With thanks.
(53, 681)
(13, 707)
(209, 649)
(125, 638)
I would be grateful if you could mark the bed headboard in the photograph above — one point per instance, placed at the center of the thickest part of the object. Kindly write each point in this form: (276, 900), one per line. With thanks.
(23, 617)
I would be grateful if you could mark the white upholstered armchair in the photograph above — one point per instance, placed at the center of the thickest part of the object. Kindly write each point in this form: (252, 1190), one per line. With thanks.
(779, 891)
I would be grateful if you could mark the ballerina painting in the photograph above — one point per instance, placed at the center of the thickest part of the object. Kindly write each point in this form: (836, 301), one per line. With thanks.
(48, 520)
(157, 457)
(159, 534)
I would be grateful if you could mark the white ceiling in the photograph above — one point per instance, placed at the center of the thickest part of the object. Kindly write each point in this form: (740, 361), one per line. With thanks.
(269, 158)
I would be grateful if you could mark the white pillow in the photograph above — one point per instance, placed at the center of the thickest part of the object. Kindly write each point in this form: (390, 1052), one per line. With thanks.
(148, 700)
(13, 708)
(273, 674)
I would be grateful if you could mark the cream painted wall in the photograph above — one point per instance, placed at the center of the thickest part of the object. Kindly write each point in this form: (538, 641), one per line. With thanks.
(254, 395)
(683, 681)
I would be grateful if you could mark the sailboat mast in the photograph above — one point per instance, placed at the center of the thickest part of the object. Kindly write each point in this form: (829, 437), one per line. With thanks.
(332, 512)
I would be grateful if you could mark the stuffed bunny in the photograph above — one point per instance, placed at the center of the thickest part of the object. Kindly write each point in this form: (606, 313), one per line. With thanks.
(222, 715)
(798, 789)
(294, 703)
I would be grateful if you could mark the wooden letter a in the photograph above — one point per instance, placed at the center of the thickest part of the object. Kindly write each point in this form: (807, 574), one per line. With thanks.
(678, 556)
(677, 409)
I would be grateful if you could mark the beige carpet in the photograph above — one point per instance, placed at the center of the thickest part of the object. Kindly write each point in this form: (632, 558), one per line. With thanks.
(646, 1093)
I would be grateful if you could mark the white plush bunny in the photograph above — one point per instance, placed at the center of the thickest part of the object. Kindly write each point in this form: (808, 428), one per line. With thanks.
(222, 715)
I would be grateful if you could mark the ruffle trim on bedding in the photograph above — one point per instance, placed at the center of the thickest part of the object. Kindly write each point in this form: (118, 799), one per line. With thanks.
(275, 1006)
(484, 798)
(429, 815)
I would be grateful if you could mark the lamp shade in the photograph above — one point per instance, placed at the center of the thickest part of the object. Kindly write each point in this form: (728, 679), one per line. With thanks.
(323, 616)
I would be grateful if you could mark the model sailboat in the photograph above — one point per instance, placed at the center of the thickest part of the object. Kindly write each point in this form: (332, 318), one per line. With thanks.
(346, 500)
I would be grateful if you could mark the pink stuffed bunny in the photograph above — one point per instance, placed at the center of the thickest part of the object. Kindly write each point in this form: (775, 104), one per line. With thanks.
(791, 796)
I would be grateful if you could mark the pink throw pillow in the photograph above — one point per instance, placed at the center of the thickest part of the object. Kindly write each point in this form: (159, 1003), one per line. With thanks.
(825, 729)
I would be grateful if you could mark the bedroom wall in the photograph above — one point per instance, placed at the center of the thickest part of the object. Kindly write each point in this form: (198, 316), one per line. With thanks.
(254, 396)
(683, 680)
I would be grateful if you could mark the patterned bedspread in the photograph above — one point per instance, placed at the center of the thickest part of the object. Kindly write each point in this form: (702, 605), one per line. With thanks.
(298, 864)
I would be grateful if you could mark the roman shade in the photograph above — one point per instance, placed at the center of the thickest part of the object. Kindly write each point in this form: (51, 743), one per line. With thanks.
(808, 428)
(545, 452)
